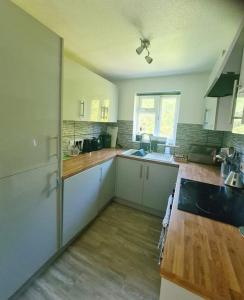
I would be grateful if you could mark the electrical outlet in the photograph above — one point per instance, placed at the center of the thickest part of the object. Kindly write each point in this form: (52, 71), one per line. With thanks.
(71, 142)
(242, 167)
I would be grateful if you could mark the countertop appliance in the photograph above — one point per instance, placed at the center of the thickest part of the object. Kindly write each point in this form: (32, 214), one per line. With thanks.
(202, 154)
(221, 203)
(87, 146)
(106, 140)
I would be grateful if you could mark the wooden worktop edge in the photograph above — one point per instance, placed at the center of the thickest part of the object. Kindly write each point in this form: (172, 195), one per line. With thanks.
(154, 161)
(111, 156)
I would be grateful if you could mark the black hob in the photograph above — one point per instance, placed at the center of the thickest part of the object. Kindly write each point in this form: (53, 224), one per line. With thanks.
(221, 203)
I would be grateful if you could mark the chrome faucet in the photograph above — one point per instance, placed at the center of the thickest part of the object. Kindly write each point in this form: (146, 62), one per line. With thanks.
(150, 141)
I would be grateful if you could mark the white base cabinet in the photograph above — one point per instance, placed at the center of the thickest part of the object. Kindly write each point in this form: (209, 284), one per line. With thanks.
(159, 181)
(144, 183)
(107, 185)
(79, 201)
(129, 180)
(84, 195)
(171, 291)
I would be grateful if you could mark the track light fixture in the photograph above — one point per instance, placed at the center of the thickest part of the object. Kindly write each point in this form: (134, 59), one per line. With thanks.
(144, 45)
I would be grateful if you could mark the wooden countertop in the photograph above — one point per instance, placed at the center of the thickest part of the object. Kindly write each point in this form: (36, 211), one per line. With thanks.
(202, 255)
(85, 161)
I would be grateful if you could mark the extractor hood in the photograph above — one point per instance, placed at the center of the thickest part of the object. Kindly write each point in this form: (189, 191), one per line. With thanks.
(224, 85)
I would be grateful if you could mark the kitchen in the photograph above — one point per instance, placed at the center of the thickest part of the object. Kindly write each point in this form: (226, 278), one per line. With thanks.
(122, 149)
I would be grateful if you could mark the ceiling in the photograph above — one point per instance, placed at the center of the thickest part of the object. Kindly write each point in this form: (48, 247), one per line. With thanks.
(186, 35)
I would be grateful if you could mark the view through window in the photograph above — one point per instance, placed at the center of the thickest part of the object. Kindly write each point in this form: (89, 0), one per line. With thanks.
(157, 115)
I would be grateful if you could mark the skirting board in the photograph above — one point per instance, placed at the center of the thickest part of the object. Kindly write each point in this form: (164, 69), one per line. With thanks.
(139, 207)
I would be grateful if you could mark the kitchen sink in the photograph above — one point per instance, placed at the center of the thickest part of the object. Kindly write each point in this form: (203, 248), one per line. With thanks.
(149, 156)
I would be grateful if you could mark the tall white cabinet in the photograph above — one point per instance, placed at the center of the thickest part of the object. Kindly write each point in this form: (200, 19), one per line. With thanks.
(30, 59)
(86, 95)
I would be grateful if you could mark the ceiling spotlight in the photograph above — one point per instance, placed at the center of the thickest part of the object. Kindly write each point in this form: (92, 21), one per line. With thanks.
(148, 58)
(144, 45)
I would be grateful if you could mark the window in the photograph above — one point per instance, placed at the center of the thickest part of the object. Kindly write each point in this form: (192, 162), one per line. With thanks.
(156, 115)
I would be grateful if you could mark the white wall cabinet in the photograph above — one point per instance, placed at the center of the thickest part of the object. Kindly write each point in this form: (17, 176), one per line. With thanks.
(86, 95)
(84, 195)
(217, 114)
(228, 61)
(146, 184)
(209, 121)
(238, 103)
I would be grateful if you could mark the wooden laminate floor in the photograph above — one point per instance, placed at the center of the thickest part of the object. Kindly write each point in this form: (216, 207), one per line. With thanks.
(114, 259)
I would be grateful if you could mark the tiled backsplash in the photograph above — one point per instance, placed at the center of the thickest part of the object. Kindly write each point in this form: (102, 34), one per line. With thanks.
(194, 134)
(235, 140)
(79, 130)
(186, 134)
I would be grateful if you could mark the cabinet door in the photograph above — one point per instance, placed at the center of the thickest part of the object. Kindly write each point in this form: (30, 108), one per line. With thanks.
(129, 179)
(241, 79)
(224, 114)
(28, 225)
(80, 197)
(107, 189)
(159, 181)
(30, 60)
(75, 95)
(210, 113)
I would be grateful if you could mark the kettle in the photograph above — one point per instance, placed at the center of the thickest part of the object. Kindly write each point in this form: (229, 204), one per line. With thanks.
(234, 179)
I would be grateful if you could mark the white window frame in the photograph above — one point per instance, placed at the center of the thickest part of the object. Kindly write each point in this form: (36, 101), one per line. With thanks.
(156, 110)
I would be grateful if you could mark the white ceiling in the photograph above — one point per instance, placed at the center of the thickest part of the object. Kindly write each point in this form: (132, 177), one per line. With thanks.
(186, 35)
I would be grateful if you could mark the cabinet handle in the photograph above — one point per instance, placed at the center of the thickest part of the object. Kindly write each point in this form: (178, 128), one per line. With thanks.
(147, 176)
(101, 174)
(105, 112)
(82, 108)
(57, 146)
(102, 112)
(141, 170)
(234, 98)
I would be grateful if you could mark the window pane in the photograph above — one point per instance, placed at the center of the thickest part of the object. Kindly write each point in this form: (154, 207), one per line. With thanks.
(168, 107)
(147, 103)
(146, 122)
